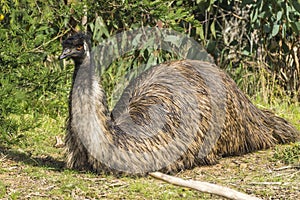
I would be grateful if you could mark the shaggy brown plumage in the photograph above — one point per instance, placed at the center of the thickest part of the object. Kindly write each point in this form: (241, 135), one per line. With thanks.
(174, 116)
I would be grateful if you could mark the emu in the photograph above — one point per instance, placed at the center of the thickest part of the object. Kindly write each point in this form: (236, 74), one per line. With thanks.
(174, 116)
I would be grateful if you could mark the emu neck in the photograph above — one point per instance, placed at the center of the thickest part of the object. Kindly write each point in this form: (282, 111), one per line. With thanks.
(88, 107)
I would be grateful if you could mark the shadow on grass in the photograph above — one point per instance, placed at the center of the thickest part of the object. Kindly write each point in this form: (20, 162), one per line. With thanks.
(28, 159)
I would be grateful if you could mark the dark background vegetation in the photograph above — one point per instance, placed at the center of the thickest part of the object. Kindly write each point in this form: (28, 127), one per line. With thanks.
(255, 41)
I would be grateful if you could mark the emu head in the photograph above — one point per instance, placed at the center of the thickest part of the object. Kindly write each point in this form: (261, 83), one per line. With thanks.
(76, 47)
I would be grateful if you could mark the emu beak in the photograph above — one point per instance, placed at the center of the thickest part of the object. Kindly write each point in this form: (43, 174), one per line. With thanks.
(66, 52)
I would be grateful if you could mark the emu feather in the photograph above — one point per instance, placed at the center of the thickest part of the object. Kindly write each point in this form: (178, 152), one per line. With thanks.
(174, 116)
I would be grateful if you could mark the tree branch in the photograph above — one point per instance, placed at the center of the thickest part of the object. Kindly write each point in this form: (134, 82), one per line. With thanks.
(204, 187)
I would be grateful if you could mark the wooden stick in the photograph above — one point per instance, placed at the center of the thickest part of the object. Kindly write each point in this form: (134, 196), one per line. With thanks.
(204, 187)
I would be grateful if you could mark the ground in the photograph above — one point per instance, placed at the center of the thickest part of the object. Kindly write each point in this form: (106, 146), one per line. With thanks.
(32, 167)
(26, 176)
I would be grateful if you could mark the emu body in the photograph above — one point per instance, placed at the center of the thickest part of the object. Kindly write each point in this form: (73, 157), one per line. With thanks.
(172, 117)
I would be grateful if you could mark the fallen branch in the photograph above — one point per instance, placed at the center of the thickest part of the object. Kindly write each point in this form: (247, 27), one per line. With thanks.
(204, 187)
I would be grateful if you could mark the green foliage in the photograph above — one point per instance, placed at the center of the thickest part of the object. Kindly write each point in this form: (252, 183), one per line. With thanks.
(289, 155)
(31, 79)
(252, 40)
(278, 23)
(271, 16)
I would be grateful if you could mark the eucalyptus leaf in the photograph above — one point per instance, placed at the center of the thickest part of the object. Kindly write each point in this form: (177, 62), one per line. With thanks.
(200, 32)
(279, 15)
(213, 29)
(275, 30)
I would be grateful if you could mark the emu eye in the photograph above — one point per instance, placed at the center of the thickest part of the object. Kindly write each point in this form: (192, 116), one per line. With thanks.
(79, 47)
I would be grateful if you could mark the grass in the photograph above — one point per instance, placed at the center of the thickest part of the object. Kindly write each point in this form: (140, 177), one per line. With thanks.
(34, 168)
(289, 154)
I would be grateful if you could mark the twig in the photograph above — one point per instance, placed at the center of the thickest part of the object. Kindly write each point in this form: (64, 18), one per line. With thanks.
(266, 183)
(49, 188)
(204, 187)
(53, 39)
(36, 194)
(59, 142)
(287, 167)
(3, 158)
(293, 174)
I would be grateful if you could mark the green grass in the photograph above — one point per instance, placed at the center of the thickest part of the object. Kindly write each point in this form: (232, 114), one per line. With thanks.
(289, 155)
(282, 107)
(2, 189)
(33, 168)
